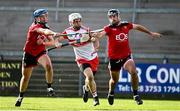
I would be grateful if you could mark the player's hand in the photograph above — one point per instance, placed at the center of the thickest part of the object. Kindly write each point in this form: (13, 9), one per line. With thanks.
(95, 34)
(155, 35)
(57, 43)
(93, 39)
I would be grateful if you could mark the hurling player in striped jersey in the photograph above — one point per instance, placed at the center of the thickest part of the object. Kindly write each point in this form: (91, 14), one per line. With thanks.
(85, 54)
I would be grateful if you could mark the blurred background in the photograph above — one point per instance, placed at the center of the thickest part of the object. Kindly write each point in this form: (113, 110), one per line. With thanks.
(158, 15)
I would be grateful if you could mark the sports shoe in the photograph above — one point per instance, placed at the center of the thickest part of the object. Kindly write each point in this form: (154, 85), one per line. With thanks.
(85, 94)
(110, 99)
(50, 92)
(138, 100)
(96, 101)
(18, 101)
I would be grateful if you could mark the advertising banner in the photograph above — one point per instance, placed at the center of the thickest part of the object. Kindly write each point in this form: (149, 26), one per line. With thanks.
(153, 78)
(10, 73)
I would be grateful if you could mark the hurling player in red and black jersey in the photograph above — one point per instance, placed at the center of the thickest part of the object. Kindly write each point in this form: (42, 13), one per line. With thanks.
(39, 35)
(119, 52)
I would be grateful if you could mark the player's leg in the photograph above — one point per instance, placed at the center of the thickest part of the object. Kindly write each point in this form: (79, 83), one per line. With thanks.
(91, 84)
(26, 74)
(85, 92)
(45, 61)
(114, 68)
(129, 65)
(114, 77)
(89, 69)
(28, 61)
(86, 85)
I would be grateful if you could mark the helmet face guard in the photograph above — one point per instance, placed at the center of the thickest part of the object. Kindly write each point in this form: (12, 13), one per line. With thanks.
(72, 18)
(112, 13)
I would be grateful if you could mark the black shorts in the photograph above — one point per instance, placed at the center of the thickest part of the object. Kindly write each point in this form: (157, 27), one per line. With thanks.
(29, 60)
(116, 64)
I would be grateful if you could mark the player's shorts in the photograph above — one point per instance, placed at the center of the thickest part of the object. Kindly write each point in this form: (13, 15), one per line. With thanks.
(29, 60)
(93, 64)
(116, 64)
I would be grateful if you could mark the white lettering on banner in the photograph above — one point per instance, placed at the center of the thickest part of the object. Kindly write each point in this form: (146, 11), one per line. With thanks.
(148, 72)
(153, 78)
(124, 88)
(127, 78)
(163, 75)
(150, 88)
(175, 75)
(160, 72)
(139, 74)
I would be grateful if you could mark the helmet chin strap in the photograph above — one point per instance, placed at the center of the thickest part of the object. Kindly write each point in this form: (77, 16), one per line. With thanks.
(43, 23)
(40, 22)
(77, 28)
(114, 24)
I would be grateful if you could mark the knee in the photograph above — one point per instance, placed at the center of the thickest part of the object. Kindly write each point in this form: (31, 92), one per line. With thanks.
(48, 67)
(114, 81)
(25, 78)
(114, 77)
(133, 72)
(90, 78)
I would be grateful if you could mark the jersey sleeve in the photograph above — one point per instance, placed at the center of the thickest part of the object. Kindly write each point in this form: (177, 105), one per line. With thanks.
(65, 37)
(34, 27)
(106, 29)
(130, 26)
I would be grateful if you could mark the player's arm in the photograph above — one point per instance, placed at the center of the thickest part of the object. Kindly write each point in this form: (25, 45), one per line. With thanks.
(50, 37)
(97, 35)
(96, 45)
(46, 32)
(49, 41)
(146, 30)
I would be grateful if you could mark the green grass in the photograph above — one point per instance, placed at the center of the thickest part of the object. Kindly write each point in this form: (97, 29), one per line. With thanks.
(39, 103)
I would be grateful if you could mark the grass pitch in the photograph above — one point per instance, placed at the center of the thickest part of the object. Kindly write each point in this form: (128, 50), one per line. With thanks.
(76, 104)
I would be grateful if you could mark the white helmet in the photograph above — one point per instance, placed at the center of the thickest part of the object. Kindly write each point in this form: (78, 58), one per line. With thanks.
(74, 16)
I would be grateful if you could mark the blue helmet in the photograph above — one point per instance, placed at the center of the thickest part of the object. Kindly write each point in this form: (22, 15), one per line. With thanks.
(39, 12)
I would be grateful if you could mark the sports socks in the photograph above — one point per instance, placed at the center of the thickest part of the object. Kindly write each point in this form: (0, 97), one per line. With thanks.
(21, 94)
(111, 92)
(94, 94)
(135, 92)
(49, 85)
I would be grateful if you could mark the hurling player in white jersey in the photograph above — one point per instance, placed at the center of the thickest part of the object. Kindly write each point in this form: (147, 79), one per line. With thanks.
(86, 55)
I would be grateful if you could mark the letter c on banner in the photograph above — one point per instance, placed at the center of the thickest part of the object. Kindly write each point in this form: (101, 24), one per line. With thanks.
(148, 73)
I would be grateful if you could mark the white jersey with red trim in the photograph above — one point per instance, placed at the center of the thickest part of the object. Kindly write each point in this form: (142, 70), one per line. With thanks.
(82, 50)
